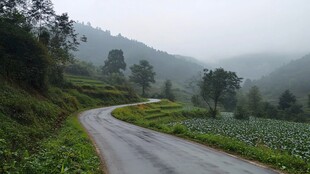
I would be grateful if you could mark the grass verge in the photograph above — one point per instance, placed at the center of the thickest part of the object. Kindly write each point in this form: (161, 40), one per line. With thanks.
(71, 148)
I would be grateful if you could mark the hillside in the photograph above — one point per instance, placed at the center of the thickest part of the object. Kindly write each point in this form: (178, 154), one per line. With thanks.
(254, 66)
(166, 66)
(28, 118)
(293, 76)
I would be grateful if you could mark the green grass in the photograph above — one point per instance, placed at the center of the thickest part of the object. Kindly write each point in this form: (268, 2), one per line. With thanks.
(70, 151)
(176, 122)
(81, 81)
(28, 118)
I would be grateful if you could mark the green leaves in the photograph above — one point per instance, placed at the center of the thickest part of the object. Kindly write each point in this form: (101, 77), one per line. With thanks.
(216, 84)
(143, 75)
(114, 63)
(292, 138)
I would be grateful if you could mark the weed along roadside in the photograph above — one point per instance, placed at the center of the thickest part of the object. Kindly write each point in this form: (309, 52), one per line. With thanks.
(173, 118)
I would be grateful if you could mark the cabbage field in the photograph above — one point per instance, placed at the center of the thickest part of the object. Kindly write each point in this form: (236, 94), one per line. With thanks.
(291, 137)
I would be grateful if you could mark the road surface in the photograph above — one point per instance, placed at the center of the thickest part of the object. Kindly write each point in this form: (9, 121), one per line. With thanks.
(129, 149)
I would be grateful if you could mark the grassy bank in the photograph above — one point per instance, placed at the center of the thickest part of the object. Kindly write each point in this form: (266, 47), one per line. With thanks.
(221, 133)
(36, 135)
(69, 151)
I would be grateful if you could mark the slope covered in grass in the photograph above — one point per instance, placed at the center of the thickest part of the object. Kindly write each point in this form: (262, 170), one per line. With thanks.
(28, 117)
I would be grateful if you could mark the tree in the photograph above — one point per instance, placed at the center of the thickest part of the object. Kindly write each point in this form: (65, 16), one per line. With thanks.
(167, 91)
(270, 111)
(254, 101)
(63, 41)
(40, 13)
(23, 59)
(241, 113)
(143, 75)
(9, 7)
(229, 101)
(247, 85)
(286, 100)
(309, 100)
(216, 84)
(115, 63)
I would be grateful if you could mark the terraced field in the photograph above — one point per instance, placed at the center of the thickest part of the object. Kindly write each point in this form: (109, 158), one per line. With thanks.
(82, 81)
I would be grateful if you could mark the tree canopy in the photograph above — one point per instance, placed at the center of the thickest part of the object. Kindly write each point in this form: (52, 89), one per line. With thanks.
(286, 100)
(254, 101)
(167, 91)
(35, 42)
(115, 63)
(216, 84)
(143, 75)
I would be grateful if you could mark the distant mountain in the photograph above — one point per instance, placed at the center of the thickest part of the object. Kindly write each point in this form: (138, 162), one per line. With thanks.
(166, 66)
(294, 76)
(192, 59)
(254, 66)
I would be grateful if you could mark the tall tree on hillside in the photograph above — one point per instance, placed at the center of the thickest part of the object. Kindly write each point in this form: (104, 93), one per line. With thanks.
(143, 75)
(286, 100)
(254, 101)
(167, 91)
(41, 13)
(115, 63)
(62, 42)
(216, 84)
(8, 7)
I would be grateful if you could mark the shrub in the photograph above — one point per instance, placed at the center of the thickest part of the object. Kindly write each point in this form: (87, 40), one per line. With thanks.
(179, 129)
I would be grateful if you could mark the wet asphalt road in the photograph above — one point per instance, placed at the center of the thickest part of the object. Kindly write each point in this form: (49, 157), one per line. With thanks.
(128, 149)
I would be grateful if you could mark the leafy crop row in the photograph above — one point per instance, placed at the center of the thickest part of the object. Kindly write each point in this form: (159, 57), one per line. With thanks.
(290, 137)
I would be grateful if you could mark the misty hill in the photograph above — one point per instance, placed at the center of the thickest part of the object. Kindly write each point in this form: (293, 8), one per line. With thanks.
(254, 66)
(100, 42)
(294, 76)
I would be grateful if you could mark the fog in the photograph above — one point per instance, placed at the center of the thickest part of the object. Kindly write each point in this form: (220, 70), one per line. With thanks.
(208, 30)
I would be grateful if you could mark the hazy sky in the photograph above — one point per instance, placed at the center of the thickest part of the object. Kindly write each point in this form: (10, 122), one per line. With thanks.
(205, 29)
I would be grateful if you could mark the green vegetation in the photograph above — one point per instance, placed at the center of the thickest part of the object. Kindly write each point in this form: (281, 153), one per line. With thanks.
(70, 151)
(113, 68)
(115, 63)
(27, 118)
(167, 91)
(216, 84)
(81, 68)
(143, 75)
(254, 102)
(36, 135)
(281, 144)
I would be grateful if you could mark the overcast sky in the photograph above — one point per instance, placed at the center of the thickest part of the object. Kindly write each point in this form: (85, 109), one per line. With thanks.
(204, 29)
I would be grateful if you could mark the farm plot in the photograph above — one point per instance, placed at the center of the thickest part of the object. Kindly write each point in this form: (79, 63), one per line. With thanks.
(290, 137)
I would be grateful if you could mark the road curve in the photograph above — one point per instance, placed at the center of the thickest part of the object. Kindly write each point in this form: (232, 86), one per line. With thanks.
(129, 149)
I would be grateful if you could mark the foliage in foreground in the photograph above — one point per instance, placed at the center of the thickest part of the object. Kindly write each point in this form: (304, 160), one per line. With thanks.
(28, 117)
(70, 151)
(283, 145)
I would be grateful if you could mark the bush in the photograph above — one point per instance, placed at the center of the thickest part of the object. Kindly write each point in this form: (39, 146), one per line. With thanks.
(179, 129)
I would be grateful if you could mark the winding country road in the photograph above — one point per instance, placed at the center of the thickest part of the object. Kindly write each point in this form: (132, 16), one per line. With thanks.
(129, 149)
